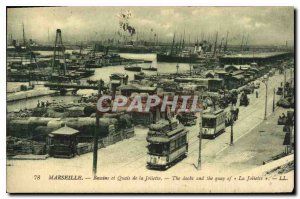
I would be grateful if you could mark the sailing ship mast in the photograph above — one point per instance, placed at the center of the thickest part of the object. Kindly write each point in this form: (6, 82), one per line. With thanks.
(182, 47)
(179, 48)
(48, 37)
(216, 41)
(24, 38)
(80, 50)
(246, 41)
(225, 46)
(173, 43)
(220, 47)
(242, 43)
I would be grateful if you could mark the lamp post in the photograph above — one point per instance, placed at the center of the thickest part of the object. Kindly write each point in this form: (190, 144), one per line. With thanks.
(284, 71)
(292, 72)
(190, 67)
(231, 124)
(265, 81)
(96, 133)
(200, 142)
(273, 99)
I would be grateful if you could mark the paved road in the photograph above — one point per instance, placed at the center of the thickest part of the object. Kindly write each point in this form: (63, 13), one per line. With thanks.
(256, 147)
(249, 118)
(131, 155)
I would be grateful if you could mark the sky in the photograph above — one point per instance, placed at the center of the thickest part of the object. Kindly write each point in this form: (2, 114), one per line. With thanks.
(264, 25)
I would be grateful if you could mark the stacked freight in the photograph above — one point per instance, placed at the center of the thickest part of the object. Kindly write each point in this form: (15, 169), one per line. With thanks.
(113, 128)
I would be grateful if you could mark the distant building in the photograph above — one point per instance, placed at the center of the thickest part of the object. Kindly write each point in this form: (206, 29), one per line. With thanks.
(116, 80)
(127, 90)
(260, 58)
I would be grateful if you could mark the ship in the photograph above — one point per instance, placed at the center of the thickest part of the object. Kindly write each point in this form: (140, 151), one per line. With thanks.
(135, 68)
(178, 58)
(152, 67)
(84, 71)
(134, 49)
(181, 54)
(139, 76)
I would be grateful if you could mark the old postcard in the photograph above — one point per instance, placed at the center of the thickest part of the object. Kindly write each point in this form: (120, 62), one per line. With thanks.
(150, 100)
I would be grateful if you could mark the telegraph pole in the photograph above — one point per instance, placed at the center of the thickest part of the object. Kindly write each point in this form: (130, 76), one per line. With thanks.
(291, 137)
(273, 99)
(190, 67)
(95, 153)
(96, 135)
(200, 140)
(231, 132)
(290, 125)
(291, 69)
(266, 83)
(283, 93)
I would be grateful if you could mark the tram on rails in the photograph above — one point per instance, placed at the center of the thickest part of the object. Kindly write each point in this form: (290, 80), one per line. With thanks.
(213, 123)
(167, 144)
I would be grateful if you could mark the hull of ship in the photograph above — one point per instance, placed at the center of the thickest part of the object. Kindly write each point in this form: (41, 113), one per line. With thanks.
(177, 59)
(134, 69)
(139, 77)
(134, 50)
(150, 69)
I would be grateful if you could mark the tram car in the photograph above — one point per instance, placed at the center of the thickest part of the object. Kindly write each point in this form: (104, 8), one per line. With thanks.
(167, 144)
(187, 119)
(213, 123)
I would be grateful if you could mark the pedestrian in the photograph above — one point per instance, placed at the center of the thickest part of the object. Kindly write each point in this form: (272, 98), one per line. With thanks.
(234, 100)
(256, 94)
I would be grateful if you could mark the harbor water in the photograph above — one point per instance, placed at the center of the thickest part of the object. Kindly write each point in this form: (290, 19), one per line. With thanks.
(100, 73)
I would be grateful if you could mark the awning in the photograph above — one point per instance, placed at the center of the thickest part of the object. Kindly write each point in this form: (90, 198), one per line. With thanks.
(158, 139)
(65, 131)
(115, 82)
(209, 116)
(175, 131)
(165, 139)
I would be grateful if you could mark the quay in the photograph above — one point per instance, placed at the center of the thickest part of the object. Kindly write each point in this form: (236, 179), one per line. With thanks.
(57, 86)
(28, 94)
(259, 58)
